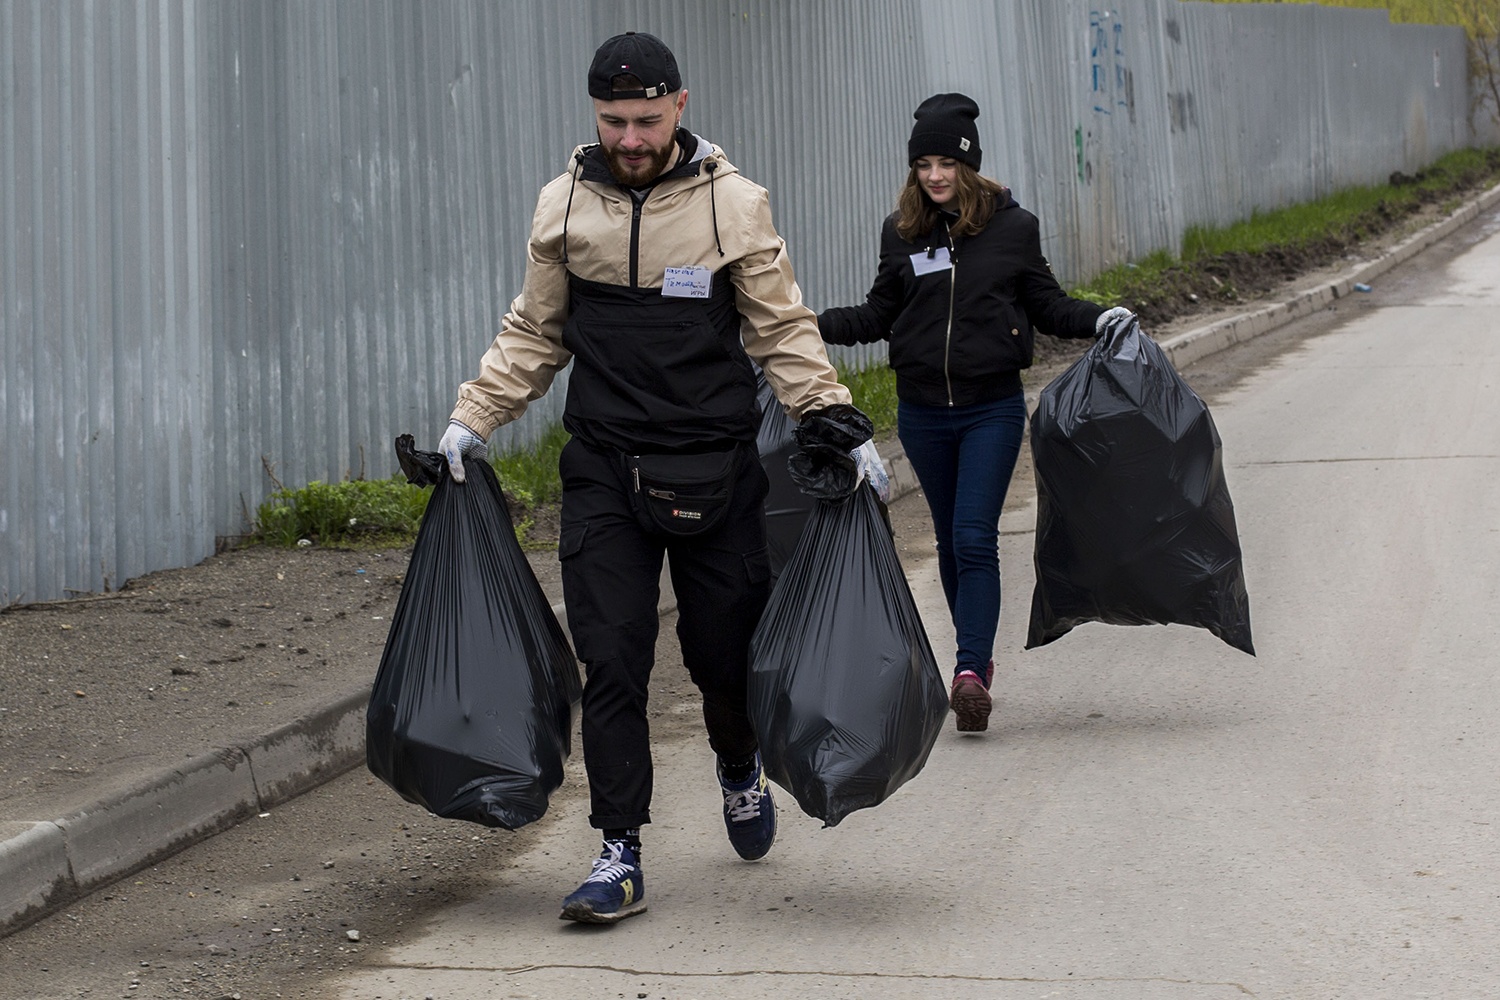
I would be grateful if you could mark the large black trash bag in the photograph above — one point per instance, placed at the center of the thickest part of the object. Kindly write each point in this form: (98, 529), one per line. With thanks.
(787, 507)
(1134, 522)
(471, 716)
(845, 694)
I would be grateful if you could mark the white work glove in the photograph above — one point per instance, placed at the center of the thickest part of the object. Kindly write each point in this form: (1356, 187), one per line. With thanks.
(867, 462)
(1108, 318)
(459, 443)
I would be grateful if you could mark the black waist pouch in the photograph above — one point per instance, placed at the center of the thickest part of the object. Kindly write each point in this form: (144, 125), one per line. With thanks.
(684, 495)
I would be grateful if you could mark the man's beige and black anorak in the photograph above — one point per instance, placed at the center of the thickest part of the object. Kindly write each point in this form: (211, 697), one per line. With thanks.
(654, 373)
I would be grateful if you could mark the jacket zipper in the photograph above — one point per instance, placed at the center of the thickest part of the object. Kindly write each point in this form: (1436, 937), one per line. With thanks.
(948, 333)
(635, 240)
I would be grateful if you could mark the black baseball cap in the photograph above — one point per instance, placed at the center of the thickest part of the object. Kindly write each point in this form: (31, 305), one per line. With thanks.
(636, 54)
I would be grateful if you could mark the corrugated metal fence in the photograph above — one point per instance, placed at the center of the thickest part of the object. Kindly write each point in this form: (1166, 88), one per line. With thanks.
(236, 233)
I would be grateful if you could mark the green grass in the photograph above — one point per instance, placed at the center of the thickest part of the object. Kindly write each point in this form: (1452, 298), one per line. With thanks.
(530, 474)
(1111, 287)
(1336, 213)
(388, 512)
(1401, 11)
(1348, 214)
(874, 392)
(376, 512)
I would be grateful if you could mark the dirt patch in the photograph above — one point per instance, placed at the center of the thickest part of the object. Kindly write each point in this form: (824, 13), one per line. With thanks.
(98, 690)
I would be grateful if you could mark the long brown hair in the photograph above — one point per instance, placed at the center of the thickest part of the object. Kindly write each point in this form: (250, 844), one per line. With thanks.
(975, 194)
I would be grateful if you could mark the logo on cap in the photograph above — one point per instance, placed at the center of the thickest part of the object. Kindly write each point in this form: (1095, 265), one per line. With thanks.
(963, 144)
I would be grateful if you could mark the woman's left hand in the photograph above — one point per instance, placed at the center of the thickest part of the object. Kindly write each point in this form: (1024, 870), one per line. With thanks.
(1108, 318)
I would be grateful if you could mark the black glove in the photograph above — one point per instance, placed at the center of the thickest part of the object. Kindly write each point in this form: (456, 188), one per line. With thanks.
(822, 466)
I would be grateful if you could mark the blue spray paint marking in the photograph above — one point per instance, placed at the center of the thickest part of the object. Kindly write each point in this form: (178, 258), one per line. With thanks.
(1107, 60)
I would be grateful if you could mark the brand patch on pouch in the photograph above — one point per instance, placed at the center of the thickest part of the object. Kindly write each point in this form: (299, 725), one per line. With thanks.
(687, 515)
(687, 282)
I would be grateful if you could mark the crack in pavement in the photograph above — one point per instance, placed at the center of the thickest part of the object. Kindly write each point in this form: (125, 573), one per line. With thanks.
(1387, 458)
(745, 973)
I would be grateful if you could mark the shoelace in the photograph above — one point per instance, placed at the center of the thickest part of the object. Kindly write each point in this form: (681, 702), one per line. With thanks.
(609, 869)
(743, 806)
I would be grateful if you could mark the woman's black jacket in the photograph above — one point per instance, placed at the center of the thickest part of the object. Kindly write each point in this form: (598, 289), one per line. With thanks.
(961, 335)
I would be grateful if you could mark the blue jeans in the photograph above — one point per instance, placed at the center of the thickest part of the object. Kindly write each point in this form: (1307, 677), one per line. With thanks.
(964, 457)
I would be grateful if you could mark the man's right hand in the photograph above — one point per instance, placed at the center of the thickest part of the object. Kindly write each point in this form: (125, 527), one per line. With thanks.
(824, 465)
(458, 443)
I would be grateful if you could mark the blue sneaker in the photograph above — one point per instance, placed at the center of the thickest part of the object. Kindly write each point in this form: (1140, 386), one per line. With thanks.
(614, 890)
(749, 813)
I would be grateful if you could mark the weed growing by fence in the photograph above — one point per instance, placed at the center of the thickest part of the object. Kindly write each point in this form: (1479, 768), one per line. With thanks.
(354, 512)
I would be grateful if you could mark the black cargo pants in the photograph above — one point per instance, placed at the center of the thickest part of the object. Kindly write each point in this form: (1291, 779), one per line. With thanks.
(611, 557)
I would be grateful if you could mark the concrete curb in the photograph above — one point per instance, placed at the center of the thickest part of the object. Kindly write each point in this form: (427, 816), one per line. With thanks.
(1188, 347)
(46, 864)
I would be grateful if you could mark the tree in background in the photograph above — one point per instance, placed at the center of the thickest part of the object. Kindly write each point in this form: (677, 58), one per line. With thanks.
(1481, 22)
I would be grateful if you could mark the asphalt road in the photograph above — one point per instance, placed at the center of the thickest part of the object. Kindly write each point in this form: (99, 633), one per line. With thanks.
(1156, 815)
(1152, 814)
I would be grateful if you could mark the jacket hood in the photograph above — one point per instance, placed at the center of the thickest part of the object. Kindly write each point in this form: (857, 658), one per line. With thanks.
(704, 161)
(702, 165)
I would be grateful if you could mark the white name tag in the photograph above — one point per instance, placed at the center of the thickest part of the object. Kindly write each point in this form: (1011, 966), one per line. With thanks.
(923, 264)
(687, 282)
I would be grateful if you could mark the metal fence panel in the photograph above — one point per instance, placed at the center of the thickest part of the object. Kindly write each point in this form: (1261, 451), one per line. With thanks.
(249, 237)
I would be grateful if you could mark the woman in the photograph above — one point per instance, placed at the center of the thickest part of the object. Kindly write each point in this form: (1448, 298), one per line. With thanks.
(961, 287)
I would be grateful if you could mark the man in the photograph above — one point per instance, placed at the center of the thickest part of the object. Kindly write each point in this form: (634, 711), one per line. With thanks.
(654, 267)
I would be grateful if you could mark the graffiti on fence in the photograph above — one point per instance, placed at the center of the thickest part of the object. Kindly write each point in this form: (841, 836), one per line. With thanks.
(1111, 81)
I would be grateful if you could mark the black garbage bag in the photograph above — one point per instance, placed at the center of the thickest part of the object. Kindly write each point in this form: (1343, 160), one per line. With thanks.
(787, 507)
(1134, 522)
(471, 716)
(845, 694)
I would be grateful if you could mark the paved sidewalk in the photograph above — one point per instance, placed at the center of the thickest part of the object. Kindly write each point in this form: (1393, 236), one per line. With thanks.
(48, 861)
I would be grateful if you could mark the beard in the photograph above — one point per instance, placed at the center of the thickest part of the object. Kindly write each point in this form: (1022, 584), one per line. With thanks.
(643, 172)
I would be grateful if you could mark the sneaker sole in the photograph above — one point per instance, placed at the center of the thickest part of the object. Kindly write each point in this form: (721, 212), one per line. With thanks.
(972, 712)
(755, 857)
(585, 914)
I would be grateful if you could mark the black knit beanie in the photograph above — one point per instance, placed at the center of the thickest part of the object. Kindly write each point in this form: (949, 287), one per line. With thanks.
(945, 127)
